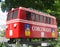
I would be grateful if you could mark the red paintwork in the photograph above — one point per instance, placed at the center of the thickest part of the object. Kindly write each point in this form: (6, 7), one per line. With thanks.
(19, 30)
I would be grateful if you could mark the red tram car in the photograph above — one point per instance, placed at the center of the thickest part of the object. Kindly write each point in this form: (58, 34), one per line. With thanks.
(29, 23)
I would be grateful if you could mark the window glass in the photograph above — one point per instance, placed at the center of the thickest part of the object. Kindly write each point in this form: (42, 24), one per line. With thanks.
(41, 18)
(15, 14)
(28, 14)
(49, 20)
(9, 16)
(45, 19)
(52, 21)
(37, 18)
(33, 17)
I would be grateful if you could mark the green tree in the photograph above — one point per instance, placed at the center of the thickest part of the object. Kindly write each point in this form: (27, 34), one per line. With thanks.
(48, 6)
(36, 4)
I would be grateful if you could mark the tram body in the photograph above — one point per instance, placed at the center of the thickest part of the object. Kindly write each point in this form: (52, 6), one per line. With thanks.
(26, 23)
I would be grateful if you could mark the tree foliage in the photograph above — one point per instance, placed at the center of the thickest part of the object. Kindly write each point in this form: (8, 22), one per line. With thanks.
(48, 6)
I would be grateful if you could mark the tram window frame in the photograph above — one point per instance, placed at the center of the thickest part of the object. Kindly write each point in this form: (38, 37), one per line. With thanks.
(33, 15)
(41, 18)
(37, 18)
(15, 15)
(45, 19)
(9, 16)
(49, 20)
(28, 15)
(52, 21)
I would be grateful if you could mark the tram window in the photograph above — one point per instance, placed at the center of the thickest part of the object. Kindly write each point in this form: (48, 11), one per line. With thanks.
(37, 18)
(33, 17)
(9, 16)
(15, 14)
(45, 19)
(49, 20)
(52, 21)
(28, 14)
(41, 18)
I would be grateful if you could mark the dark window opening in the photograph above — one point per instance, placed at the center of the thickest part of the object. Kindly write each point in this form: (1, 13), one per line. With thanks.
(28, 14)
(33, 16)
(52, 21)
(15, 14)
(12, 15)
(49, 20)
(9, 16)
(45, 19)
(41, 18)
(37, 18)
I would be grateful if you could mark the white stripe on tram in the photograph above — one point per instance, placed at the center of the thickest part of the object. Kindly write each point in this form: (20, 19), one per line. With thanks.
(30, 22)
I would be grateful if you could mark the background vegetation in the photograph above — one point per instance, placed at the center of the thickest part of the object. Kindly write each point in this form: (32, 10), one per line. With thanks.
(48, 6)
(51, 7)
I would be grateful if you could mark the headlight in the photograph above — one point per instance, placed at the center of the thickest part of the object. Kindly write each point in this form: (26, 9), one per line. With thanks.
(15, 25)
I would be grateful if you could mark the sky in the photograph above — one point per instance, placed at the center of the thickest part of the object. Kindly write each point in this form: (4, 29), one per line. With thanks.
(2, 0)
(2, 17)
